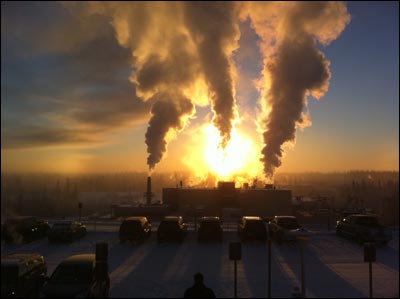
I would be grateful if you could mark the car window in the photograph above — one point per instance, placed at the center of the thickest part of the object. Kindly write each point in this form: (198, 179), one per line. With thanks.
(350, 220)
(72, 273)
(169, 225)
(210, 224)
(255, 225)
(61, 226)
(130, 226)
(367, 221)
(288, 223)
(9, 274)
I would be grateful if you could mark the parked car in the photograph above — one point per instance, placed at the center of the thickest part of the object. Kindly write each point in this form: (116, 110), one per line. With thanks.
(134, 229)
(24, 229)
(252, 228)
(210, 229)
(75, 277)
(171, 228)
(66, 231)
(286, 228)
(22, 275)
(363, 228)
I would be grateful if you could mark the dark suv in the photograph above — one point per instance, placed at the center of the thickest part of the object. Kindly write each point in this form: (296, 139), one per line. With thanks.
(75, 278)
(210, 229)
(22, 275)
(252, 228)
(24, 229)
(363, 228)
(171, 228)
(66, 231)
(134, 229)
(286, 228)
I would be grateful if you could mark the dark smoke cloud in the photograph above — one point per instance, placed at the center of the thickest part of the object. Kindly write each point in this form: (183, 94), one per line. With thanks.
(294, 67)
(214, 27)
(168, 113)
(82, 57)
(176, 47)
(299, 67)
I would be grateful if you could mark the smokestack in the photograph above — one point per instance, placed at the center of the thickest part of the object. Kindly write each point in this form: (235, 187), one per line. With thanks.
(148, 193)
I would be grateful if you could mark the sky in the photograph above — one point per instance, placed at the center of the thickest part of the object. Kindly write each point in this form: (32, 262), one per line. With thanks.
(78, 88)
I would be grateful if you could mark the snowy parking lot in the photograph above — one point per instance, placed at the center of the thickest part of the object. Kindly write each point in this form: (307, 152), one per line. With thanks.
(334, 267)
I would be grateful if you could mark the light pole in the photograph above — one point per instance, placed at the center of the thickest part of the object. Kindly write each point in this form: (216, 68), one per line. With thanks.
(269, 267)
(302, 240)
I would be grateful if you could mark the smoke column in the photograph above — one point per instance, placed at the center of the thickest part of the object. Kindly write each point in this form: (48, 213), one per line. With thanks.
(177, 47)
(294, 67)
(166, 115)
(214, 28)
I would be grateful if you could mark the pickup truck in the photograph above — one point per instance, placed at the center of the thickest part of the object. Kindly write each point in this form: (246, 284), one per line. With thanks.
(363, 228)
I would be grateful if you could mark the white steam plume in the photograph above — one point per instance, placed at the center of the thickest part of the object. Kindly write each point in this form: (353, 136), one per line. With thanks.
(294, 67)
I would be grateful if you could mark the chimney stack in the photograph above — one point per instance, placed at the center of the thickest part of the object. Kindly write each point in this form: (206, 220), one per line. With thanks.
(148, 193)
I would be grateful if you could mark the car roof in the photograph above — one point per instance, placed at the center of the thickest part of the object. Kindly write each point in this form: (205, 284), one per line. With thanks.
(80, 258)
(252, 218)
(280, 217)
(19, 258)
(170, 218)
(63, 222)
(363, 215)
(136, 218)
(209, 218)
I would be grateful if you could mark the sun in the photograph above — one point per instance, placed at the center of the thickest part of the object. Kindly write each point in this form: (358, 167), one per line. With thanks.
(206, 155)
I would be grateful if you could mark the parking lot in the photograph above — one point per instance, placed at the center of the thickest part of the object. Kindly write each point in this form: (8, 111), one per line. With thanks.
(334, 267)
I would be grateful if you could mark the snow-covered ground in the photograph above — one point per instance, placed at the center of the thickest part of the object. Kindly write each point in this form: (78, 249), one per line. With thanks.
(334, 267)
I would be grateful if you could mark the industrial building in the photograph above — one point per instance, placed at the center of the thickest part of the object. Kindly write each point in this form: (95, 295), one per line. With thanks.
(229, 202)
(225, 201)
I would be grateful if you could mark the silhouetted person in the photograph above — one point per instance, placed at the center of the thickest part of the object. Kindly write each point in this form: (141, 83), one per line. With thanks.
(199, 290)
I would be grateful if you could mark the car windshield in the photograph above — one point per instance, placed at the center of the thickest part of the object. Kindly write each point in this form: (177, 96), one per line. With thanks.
(255, 225)
(61, 226)
(129, 227)
(367, 221)
(9, 274)
(210, 225)
(169, 226)
(72, 273)
(288, 223)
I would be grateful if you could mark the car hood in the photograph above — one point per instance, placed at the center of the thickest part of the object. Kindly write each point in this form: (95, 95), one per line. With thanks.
(53, 290)
(296, 232)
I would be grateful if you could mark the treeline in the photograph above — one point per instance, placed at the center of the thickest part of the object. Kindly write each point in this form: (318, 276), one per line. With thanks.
(56, 194)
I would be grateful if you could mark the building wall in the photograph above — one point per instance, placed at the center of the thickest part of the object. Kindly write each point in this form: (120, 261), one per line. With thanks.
(257, 202)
